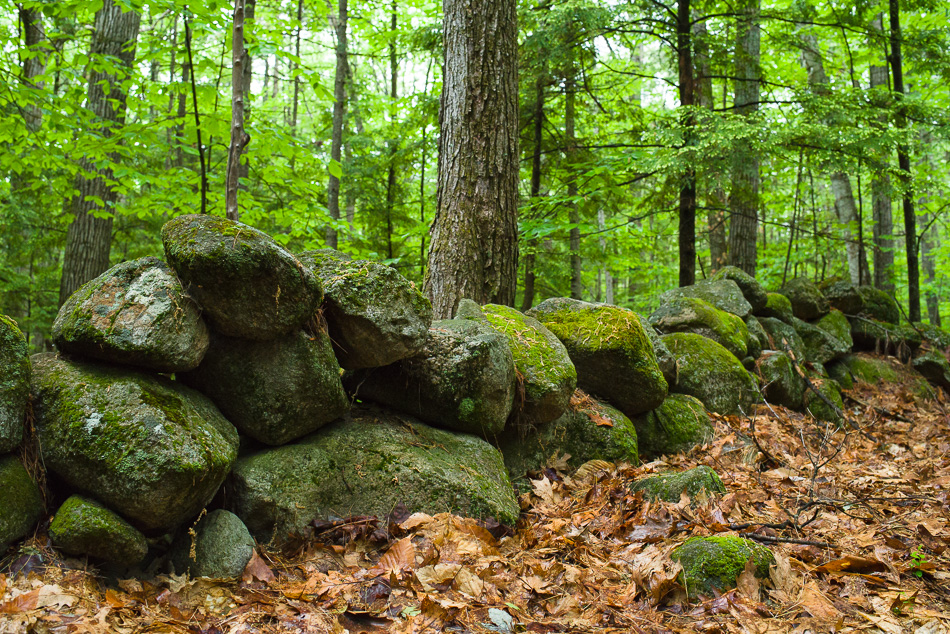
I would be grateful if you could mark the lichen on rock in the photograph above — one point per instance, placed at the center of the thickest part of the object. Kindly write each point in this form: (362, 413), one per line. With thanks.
(690, 314)
(752, 290)
(723, 293)
(781, 383)
(218, 546)
(807, 301)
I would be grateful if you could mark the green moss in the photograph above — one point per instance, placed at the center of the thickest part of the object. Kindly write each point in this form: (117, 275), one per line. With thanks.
(712, 374)
(84, 527)
(777, 306)
(836, 325)
(782, 385)
(716, 562)
(15, 371)
(678, 424)
(699, 484)
(817, 406)
(690, 314)
(938, 337)
(21, 504)
(878, 305)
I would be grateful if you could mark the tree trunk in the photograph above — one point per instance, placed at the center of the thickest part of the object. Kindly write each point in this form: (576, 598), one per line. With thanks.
(238, 135)
(89, 239)
(528, 300)
(474, 250)
(339, 113)
(687, 197)
(881, 207)
(903, 162)
(744, 193)
(393, 144)
(570, 151)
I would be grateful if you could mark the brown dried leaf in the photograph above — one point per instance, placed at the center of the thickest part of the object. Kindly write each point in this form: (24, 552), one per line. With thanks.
(400, 556)
(747, 583)
(852, 564)
(257, 570)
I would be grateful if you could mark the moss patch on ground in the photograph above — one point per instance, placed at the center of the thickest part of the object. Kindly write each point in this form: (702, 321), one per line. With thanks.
(714, 563)
(699, 483)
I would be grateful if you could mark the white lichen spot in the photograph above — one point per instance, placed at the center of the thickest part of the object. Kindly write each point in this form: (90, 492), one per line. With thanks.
(93, 422)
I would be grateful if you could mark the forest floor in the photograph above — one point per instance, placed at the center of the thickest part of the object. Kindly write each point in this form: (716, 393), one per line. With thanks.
(857, 518)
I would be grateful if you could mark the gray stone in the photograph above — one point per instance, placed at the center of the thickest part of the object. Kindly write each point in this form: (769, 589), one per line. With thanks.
(753, 292)
(248, 285)
(777, 307)
(935, 368)
(759, 338)
(366, 464)
(677, 425)
(842, 295)
(276, 390)
(784, 338)
(819, 407)
(782, 385)
(878, 305)
(712, 564)
(21, 504)
(375, 316)
(135, 313)
(219, 548)
(820, 345)
(689, 314)
(807, 301)
(698, 483)
(712, 374)
(14, 384)
(724, 294)
(152, 449)
(464, 379)
(85, 527)
(664, 358)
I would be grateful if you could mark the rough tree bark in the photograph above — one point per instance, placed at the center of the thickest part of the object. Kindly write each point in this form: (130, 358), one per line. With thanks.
(687, 197)
(882, 209)
(393, 143)
(239, 138)
(339, 114)
(474, 252)
(89, 238)
(570, 153)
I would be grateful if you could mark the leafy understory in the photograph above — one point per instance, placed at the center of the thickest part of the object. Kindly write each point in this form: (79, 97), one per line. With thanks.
(857, 518)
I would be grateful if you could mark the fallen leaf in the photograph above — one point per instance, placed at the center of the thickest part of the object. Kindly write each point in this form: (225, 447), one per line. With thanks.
(400, 556)
(852, 564)
(257, 570)
(747, 583)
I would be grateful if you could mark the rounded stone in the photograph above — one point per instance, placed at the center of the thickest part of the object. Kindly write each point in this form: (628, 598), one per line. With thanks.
(713, 564)
(712, 374)
(677, 425)
(219, 547)
(21, 503)
(85, 527)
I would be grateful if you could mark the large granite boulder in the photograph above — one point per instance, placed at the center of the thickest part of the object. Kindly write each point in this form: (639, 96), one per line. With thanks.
(887, 338)
(713, 564)
(758, 336)
(218, 546)
(276, 390)
(135, 313)
(248, 285)
(934, 367)
(375, 316)
(842, 295)
(722, 293)
(688, 314)
(781, 384)
(784, 338)
(151, 449)
(807, 301)
(611, 351)
(698, 483)
(464, 379)
(878, 305)
(821, 346)
(14, 384)
(21, 504)
(936, 336)
(712, 374)
(677, 425)
(777, 306)
(86, 528)
(590, 430)
(366, 464)
(664, 358)
(753, 292)
(545, 370)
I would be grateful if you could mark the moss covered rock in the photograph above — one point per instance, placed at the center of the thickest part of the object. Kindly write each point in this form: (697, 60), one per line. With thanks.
(153, 450)
(781, 384)
(218, 546)
(777, 306)
(135, 313)
(885, 338)
(688, 314)
(821, 346)
(818, 407)
(664, 358)
(873, 370)
(877, 304)
(86, 528)
(699, 483)
(753, 292)
(934, 367)
(375, 316)
(837, 325)
(21, 504)
(842, 295)
(715, 563)
(611, 351)
(807, 301)
(678, 424)
(758, 337)
(545, 368)
(938, 337)
(783, 337)
(712, 374)
(589, 430)
(722, 293)
(276, 390)
(366, 465)
(248, 285)
(464, 379)
(14, 384)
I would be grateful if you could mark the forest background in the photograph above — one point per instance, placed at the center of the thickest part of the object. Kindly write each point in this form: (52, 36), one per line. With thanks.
(804, 135)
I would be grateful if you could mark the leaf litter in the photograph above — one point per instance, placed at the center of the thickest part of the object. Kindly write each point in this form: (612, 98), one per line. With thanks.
(857, 518)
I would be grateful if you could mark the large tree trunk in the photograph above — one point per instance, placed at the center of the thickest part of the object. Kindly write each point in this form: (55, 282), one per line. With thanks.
(687, 197)
(474, 251)
(238, 135)
(881, 206)
(903, 162)
(339, 113)
(570, 152)
(744, 194)
(89, 239)
(393, 143)
(529, 260)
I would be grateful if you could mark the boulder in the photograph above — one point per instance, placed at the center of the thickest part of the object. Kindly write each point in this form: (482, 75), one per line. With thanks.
(699, 483)
(934, 367)
(840, 371)
(375, 316)
(818, 407)
(218, 546)
(722, 293)
(276, 390)
(135, 313)
(151, 449)
(807, 301)
(821, 346)
(712, 374)
(758, 337)
(589, 430)
(783, 337)
(938, 337)
(14, 384)
(677, 425)
(878, 305)
(611, 351)
(464, 379)
(688, 314)
(712, 564)
(664, 358)
(842, 295)
(753, 292)
(248, 285)
(837, 325)
(21, 503)
(366, 464)
(885, 338)
(777, 307)
(782, 385)
(84, 527)
(874, 370)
